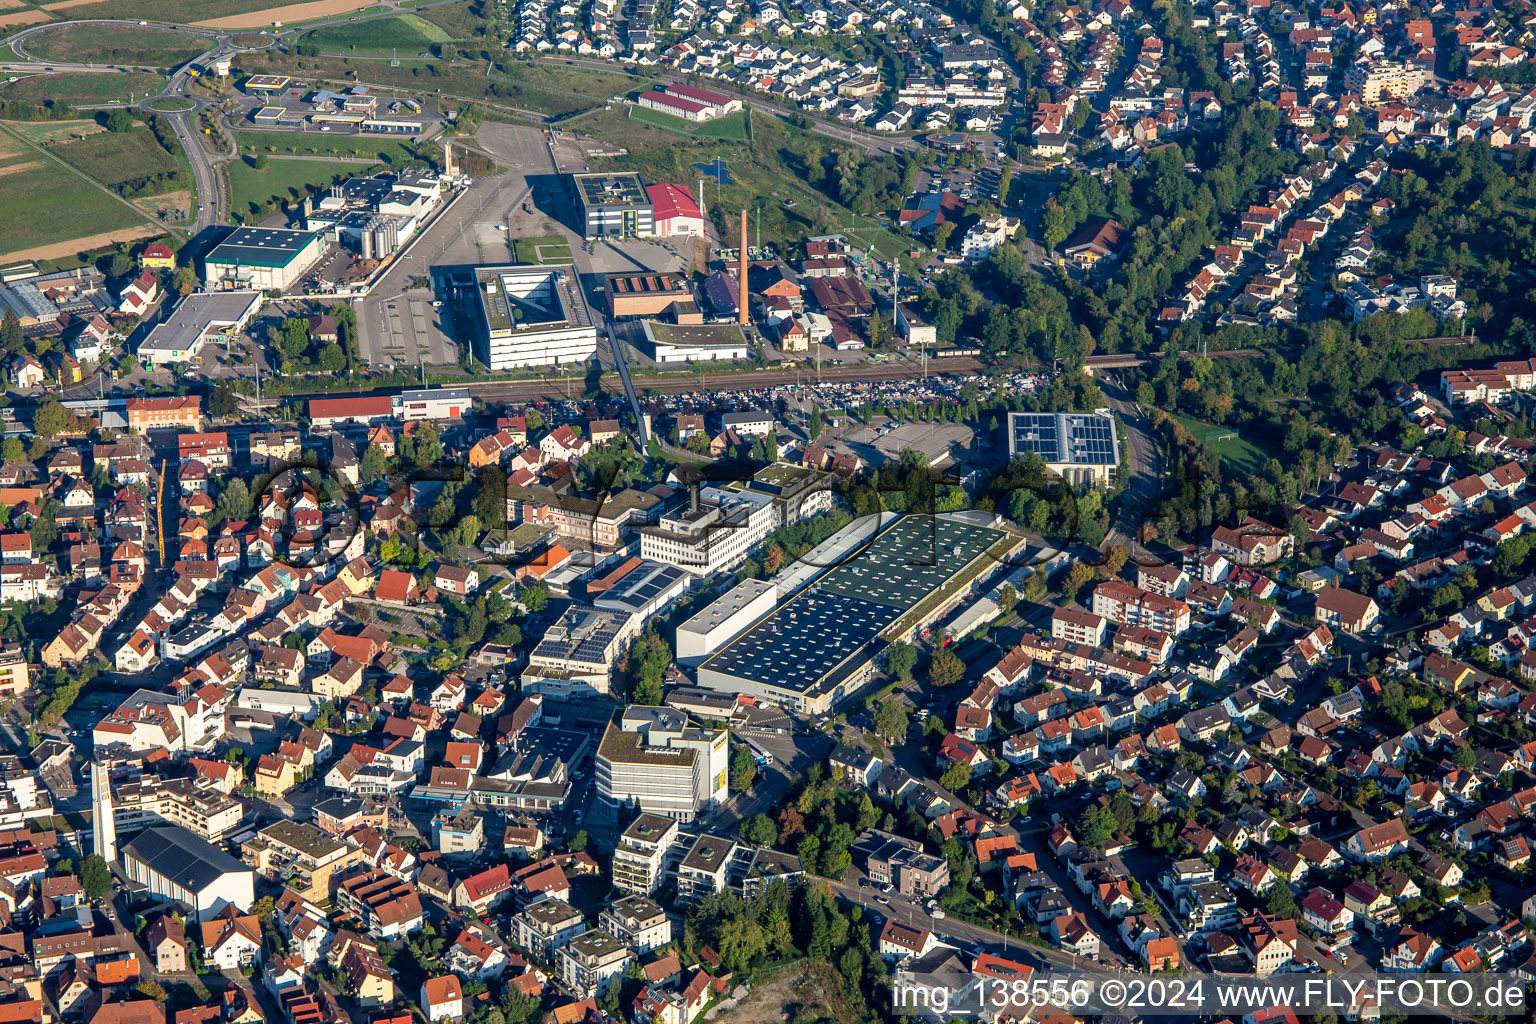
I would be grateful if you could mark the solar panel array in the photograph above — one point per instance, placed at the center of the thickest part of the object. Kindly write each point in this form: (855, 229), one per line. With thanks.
(805, 639)
(1061, 438)
(587, 639)
(909, 560)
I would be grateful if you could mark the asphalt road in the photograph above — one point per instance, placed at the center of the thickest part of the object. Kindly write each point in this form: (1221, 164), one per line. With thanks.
(1146, 470)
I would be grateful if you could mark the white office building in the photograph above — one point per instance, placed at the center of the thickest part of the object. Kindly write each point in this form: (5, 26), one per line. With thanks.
(654, 760)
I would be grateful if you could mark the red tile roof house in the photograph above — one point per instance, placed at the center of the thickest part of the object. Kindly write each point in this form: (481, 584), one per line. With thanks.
(396, 587)
(442, 998)
(1346, 610)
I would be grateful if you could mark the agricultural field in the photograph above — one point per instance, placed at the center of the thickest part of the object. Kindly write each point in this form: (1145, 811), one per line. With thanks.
(461, 20)
(285, 180)
(189, 12)
(46, 133)
(115, 157)
(408, 32)
(83, 88)
(43, 205)
(117, 44)
(360, 147)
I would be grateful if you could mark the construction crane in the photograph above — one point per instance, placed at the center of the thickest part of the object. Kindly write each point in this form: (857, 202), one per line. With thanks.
(160, 512)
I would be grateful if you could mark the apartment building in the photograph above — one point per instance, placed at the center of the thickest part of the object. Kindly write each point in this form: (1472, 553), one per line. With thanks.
(637, 922)
(1131, 606)
(591, 962)
(639, 860)
(196, 804)
(1078, 627)
(301, 855)
(547, 926)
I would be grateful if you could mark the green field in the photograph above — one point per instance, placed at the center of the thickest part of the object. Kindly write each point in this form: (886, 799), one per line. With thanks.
(180, 12)
(83, 88)
(545, 249)
(359, 147)
(459, 20)
(285, 179)
(1234, 449)
(378, 35)
(115, 157)
(732, 126)
(553, 90)
(172, 103)
(42, 203)
(765, 176)
(118, 44)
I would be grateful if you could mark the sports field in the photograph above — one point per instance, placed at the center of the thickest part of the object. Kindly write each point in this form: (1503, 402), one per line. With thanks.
(1234, 449)
(116, 44)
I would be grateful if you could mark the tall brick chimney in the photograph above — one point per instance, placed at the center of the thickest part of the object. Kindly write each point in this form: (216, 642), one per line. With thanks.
(741, 311)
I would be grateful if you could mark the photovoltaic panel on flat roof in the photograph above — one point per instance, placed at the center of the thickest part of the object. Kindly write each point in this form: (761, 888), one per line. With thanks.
(909, 560)
(804, 640)
(1060, 438)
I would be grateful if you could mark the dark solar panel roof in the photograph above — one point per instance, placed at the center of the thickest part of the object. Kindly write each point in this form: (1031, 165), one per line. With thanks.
(619, 188)
(1061, 438)
(808, 637)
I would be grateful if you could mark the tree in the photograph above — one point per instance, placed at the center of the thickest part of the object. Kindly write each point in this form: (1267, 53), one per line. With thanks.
(535, 597)
(1464, 758)
(956, 777)
(12, 449)
(1078, 577)
(891, 719)
(1007, 598)
(813, 427)
(119, 121)
(332, 358)
(941, 235)
(222, 403)
(759, 830)
(945, 668)
(11, 337)
(50, 420)
(900, 660)
(184, 281)
(579, 841)
(429, 446)
(96, 878)
(235, 502)
(293, 336)
(374, 466)
(743, 769)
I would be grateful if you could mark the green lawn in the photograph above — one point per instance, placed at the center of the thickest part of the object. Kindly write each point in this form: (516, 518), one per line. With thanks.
(115, 157)
(83, 88)
(360, 147)
(545, 249)
(119, 44)
(42, 203)
(732, 126)
(378, 35)
(1235, 450)
(285, 179)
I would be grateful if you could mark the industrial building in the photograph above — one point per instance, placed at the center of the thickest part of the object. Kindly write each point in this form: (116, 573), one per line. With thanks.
(578, 653)
(690, 343)
(1078, 447)
(374, 216)
(647, 294)
(533, 316)
(819, 646)
(674, 210)
(655, 760)
(266, 85)
(266, 259)
(197, 320)
(614, 205)
(174, 864)
(724, 619)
